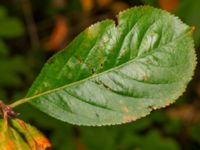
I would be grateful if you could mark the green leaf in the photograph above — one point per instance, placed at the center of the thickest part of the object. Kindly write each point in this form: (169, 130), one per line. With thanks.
(112, 74)
(11, 27)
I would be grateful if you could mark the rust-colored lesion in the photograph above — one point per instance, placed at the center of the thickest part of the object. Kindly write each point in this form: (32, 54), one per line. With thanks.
(125, 109)
(146, 77)
(129, 118)
(168, 102)
(152, 107)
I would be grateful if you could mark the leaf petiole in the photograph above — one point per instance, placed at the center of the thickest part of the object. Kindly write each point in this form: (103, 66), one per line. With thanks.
(18, 102)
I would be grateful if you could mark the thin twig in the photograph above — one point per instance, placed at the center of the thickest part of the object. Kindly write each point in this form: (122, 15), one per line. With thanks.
(32, 29)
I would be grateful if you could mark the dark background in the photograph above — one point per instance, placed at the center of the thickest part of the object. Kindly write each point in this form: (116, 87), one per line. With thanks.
(33, 30)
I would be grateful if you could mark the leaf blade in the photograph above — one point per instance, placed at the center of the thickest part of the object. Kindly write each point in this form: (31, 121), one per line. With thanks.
(111, 74)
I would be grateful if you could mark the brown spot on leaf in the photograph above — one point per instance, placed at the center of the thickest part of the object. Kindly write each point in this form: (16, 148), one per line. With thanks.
(80, 60)
(125, 109)
(145, 77)
(152, 107)
(149, 62)
(129, 118)
(168, 102)
(101, 65)
(93, 71)
(22, 123)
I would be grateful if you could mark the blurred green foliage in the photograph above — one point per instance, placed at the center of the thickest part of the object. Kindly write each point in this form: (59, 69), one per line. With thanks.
(10, 27)
(189, 12)
(20, 63)
(12, 67)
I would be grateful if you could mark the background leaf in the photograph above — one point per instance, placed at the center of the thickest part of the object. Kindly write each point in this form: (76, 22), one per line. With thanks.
(10, 27)
(191, 16)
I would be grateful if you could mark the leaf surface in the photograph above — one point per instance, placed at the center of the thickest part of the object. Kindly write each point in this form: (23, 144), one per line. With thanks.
(112, 74)
(21, 136)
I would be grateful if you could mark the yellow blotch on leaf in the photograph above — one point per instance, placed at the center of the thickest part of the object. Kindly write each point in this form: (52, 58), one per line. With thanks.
(16, 134)
(125, 109)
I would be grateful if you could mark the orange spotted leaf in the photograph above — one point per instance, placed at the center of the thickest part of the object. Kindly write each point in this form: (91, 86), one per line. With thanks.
(10, 139)
(34, 137)
(15, 134)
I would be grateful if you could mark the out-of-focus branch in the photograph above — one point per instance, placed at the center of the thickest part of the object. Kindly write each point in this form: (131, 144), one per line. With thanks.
(32, 29)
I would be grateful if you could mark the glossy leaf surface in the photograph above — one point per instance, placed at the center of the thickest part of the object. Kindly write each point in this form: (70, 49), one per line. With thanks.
(112, 74)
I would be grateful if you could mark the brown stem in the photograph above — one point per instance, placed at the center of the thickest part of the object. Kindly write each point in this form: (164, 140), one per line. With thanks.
(7, 111)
